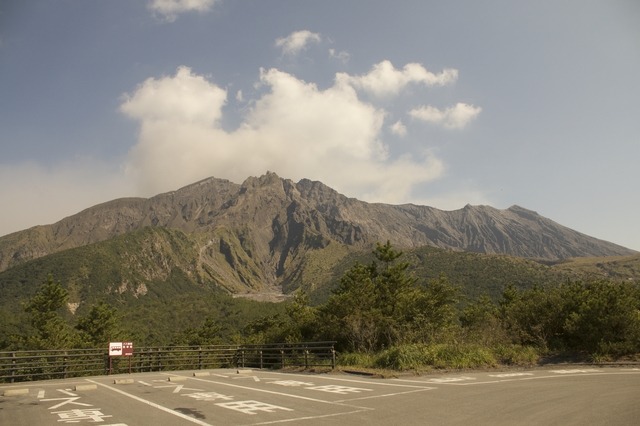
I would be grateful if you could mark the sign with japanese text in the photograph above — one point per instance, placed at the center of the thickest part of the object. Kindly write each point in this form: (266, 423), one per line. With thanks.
(120, 348)
(127, 348)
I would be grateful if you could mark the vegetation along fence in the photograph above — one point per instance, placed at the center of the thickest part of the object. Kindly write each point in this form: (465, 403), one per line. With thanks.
(19, 366)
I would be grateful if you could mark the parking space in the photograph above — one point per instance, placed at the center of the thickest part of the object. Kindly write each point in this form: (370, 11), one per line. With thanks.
(213, 397)
(241, 397)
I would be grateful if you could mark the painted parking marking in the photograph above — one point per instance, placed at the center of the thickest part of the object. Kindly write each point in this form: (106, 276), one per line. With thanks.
(391, 383)
(350, 400)
(71, 399)
(255, 378)
(291, 383)
(341, 390)
(251, 407)
(510, 375)
(450, 379)
(249, 388)
(76, 415)
(209, 396)
(176, 388)
(181, 387)
(150, 403)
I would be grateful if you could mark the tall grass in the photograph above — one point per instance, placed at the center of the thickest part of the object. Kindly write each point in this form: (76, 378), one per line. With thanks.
(420, 357)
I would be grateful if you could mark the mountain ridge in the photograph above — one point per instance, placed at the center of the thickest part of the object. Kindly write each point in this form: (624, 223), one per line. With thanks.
(273, 222)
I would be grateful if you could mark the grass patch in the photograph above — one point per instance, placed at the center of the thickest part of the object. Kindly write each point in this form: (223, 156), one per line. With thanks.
(423, 357)
(354, 359)
(516, 355)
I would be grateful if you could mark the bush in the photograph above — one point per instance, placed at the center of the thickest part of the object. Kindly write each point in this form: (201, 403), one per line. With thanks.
(422, 356)
(356, 359)
(516, 355)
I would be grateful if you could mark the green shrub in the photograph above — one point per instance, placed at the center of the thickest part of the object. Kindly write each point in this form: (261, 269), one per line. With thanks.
(516, 355)
(355, 359)
(422, 356)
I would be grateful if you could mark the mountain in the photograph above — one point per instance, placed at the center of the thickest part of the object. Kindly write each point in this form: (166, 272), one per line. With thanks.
(166, 260)
(272, 222)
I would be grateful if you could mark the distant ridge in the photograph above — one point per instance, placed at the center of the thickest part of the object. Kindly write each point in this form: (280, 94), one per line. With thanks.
(272, 223)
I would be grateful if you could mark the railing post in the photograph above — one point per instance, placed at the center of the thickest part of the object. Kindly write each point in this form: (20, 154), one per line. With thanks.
(21, 365)
(333, 358)
(139, 361)
(13, 366)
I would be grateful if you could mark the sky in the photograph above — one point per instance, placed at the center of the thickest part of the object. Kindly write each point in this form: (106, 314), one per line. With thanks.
(438, 103)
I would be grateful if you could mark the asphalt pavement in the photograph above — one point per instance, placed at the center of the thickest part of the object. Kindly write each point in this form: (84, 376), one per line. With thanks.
(542, 396)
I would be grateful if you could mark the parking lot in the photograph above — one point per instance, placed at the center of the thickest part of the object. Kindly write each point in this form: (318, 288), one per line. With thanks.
(244, 397)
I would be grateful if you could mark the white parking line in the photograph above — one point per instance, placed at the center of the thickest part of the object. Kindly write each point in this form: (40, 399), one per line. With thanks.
(262, 390)
(368, 382)
(385, 395)
(322, 416)
(152, 404)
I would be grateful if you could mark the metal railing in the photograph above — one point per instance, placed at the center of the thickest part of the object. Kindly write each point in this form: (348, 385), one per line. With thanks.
(17, 366)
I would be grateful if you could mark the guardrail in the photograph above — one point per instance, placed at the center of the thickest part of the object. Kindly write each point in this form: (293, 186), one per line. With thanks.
(17, 366)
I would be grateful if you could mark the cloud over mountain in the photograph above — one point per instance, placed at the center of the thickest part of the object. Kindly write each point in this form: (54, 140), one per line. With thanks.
(332, 133)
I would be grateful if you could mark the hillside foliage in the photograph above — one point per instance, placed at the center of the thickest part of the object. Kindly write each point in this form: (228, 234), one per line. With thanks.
(382, 305)
(386, 302)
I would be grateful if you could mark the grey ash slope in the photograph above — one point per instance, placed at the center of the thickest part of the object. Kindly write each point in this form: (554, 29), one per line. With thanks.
(275, 221)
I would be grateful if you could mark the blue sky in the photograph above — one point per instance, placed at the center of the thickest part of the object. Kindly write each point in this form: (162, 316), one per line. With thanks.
(435, 103)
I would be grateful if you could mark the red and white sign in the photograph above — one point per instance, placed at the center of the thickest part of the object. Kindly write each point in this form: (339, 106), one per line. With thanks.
(120, 348)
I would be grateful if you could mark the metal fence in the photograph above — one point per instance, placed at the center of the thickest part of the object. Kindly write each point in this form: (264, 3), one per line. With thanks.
(17, 366)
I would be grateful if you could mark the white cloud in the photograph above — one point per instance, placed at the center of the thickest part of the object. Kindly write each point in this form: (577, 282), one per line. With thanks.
(398, 128)
(185, 98)
(295, 129)
(384, 79)
(342, 56)
(170, 9)
(297, 41)
(455, 117)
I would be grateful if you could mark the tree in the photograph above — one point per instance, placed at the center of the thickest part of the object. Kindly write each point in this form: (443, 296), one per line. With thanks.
(600, 317)
(381, 305)
(480, 322)
(298, 323)
(605, 318)
(434, 312)
(100, 325)
(51, 330)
